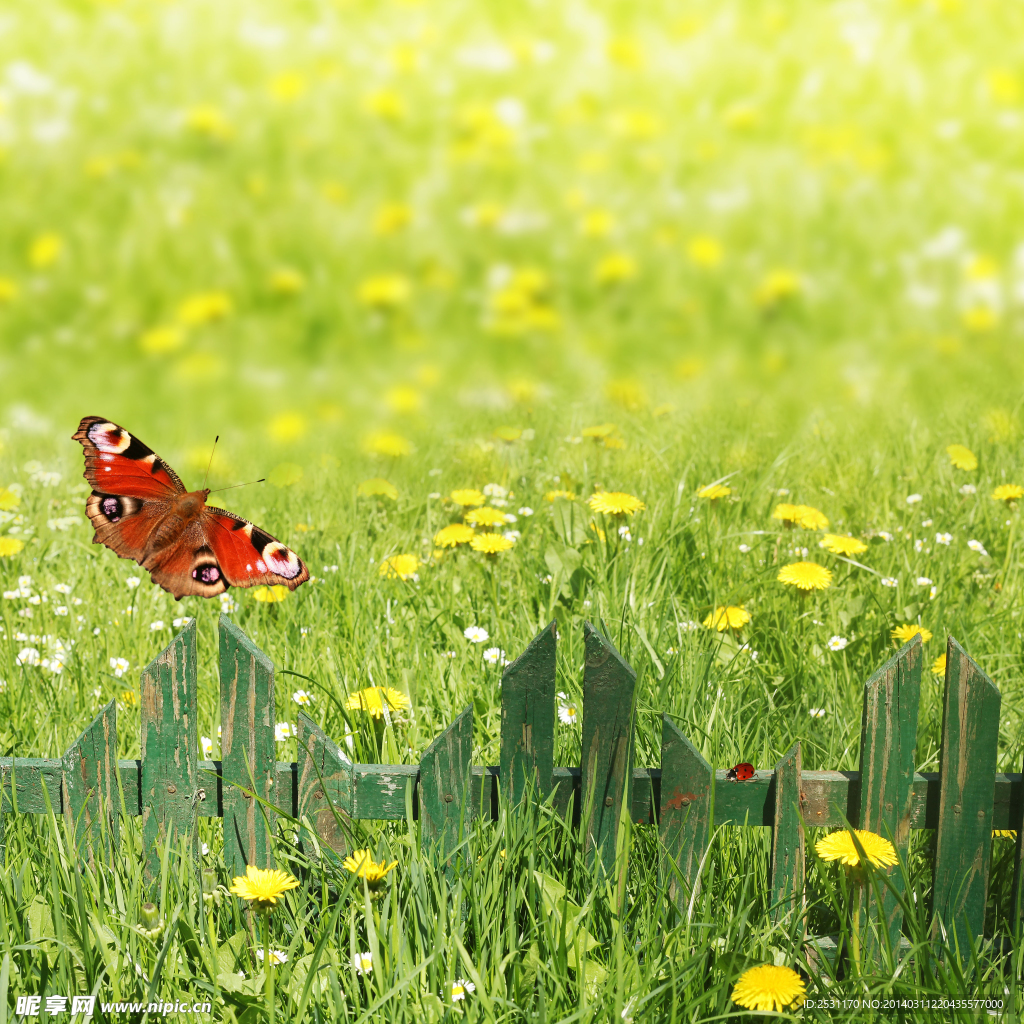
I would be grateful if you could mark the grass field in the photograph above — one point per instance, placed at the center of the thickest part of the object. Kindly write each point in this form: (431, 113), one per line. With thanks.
(390, 251)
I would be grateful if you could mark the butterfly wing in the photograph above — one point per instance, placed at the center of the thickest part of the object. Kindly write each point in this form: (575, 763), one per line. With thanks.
(132, 487)
(248, 556)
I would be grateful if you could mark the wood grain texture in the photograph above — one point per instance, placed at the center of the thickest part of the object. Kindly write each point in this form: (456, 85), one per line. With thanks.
(248, 749)
(967, 770)
(688, 789)
(787, 863)
(326, 787)
(170, 749)
(607, 753)
(528, 718)
(444, 787)
(1017, 896)
(91, 801)
(888, 743)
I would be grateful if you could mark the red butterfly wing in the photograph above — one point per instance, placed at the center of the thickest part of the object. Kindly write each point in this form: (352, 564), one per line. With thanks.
(247, 555)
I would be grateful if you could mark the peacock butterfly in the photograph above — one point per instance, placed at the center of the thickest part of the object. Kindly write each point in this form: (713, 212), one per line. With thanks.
(141, 510)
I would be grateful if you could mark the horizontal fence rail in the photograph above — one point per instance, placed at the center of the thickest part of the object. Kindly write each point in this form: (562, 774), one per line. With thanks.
(170, 787)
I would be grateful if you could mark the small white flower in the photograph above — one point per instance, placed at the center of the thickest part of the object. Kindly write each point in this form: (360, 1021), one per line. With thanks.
(282, 731)
(119, 665)
(944, 538)
(837, 643)
(96, 631)
(228, 604)
(782, 492)
(448, 654)
(816, 712)
(923, 581)
(568, 714)
(28, 656)
(745, 549)
(890, 581)
(302, 698)
(24, 582)
(494, 655)
(35, 599)
(277, 956)
(62, 588)
(689, 626)
(206, 746)
(60, 610)
(968, 489)
(887, 537)
(913, 499)
(26, 613)
(624, 533)
(183, 621)
(156, 625)
(206, 849)
(509, 518)
(526, 511)
(927, 522)
(919, 545)
(932, 593)
(976, 545)
(363, 963)
(512, 535)
(132, 582)
(495, 491)
(476, 634)
(460, 988)
(76, 601)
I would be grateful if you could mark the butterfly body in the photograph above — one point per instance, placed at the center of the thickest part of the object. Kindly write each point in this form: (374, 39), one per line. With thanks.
(741, 772)
(140, 509)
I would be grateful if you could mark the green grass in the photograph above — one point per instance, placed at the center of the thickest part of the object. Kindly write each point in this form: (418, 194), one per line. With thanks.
(181, 148)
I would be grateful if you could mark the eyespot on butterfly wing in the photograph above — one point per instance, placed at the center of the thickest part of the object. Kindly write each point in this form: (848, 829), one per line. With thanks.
(740, 772)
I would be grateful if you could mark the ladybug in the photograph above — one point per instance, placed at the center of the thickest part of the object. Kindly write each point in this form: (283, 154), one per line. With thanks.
(741, 772)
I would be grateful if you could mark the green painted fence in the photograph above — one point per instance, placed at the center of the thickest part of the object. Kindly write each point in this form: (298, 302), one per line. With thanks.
(686, 799)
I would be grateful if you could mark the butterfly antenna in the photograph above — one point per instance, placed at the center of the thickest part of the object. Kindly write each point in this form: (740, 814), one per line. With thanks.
(210, 463)
(261, 480)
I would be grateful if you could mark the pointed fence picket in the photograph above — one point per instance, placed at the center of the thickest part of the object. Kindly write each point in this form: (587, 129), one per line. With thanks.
(170, 786)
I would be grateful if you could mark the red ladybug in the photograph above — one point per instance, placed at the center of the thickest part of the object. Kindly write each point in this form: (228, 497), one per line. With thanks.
(741, 772)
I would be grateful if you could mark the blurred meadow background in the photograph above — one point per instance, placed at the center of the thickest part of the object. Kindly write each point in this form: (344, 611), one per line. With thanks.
(716, 256)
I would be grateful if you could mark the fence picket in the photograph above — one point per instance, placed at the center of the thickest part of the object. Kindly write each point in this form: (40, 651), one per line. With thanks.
(607, 756)
(528, 718)
(170, 748)
(91, 801)
(445, 781)
(787, 865)
(887, 747)
(967, 769)
(326, 789)
(684, 818)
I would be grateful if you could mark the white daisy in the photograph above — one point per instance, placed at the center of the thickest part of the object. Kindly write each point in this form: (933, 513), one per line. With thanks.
(363, 963)
(837, 643)
(476, 634)
(568, 714)
(890, 581)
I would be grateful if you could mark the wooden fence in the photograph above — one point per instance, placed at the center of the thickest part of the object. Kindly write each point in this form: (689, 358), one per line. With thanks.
(686, 799)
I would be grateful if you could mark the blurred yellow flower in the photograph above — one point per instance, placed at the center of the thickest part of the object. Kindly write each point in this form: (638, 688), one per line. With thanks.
(806, 576)
(599, 432)
(10, 546)
(208, 121)
(615, 268)
(378, 486)
(204, 308)
(508, 434)
(287, 426)
(962, 457)
(1001, 425)
(979, 318)
(776, 287)
(373, 699)
(519, 302)
(9, 499)
(1004, 833)
(270, 595)
(468, 496)
(484, 215)
(486, 517)
(627, 393)
(552, 495)
(613, 442)
(906, 632)
(727, 617)
(8, 290)
(391, 218)
(625, 52)
(615, 503)
(399, 567)
(403, 399)
(158, 340)
(636, 124)
(491, 543)
(1003, 86)
(939, 666)
(45, 250)
(385, 104)
(286, 281)
(805, 516)
(705, 251)
(453, 535)
(385, 291)
(287, 87)
(597, 223)
(1008, 492)
(840, 545)
(385, 443)
(714, 491)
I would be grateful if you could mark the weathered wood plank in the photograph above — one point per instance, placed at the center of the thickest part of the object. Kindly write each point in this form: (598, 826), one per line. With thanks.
(22, 780)
(444, 784)
(326, 787)
(528, 718)
(787, 863)
(607, 753)
(91, 801)
(888, 742)
(170, 748)
(684, 817)
(1016, 814)
(248, 752)
(967, 769)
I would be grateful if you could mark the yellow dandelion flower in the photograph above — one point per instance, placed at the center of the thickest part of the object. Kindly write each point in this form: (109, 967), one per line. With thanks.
(373, 699)
(704, 251)
(486, 517)
(286, 281)
(362, 865)
(378, 486)
(452, 536)
(962, 457)
(288, 426)
(491, 543)
(840, 545)
(806, 576)
(615, 268)
(270, 595)
(385, 443)
(839, 846)
(508, 434)
(597, 224)
(599, 432)
(769, 988)
(615, 503)
(263, 888)
(939, 665)
(403, 399)
(8, 290)
(402, 567)
(204, 308)
(727, 617)
(788, 513)
(467, 497)
(908, 631)
(10, 546)
(979, 319)
(45, 250)
(208, 121)
(1008, 492)
(777, 287)
(714, 491)
(384, 291)
(385, 104)
(9, 499)
(159, 340)
(1004, 833)
(552, 495)
(613, 443)
(391, 218)
(810, 518)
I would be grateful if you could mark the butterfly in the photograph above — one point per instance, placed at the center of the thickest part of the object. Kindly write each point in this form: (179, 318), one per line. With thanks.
(141, 510)
(741, 772)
